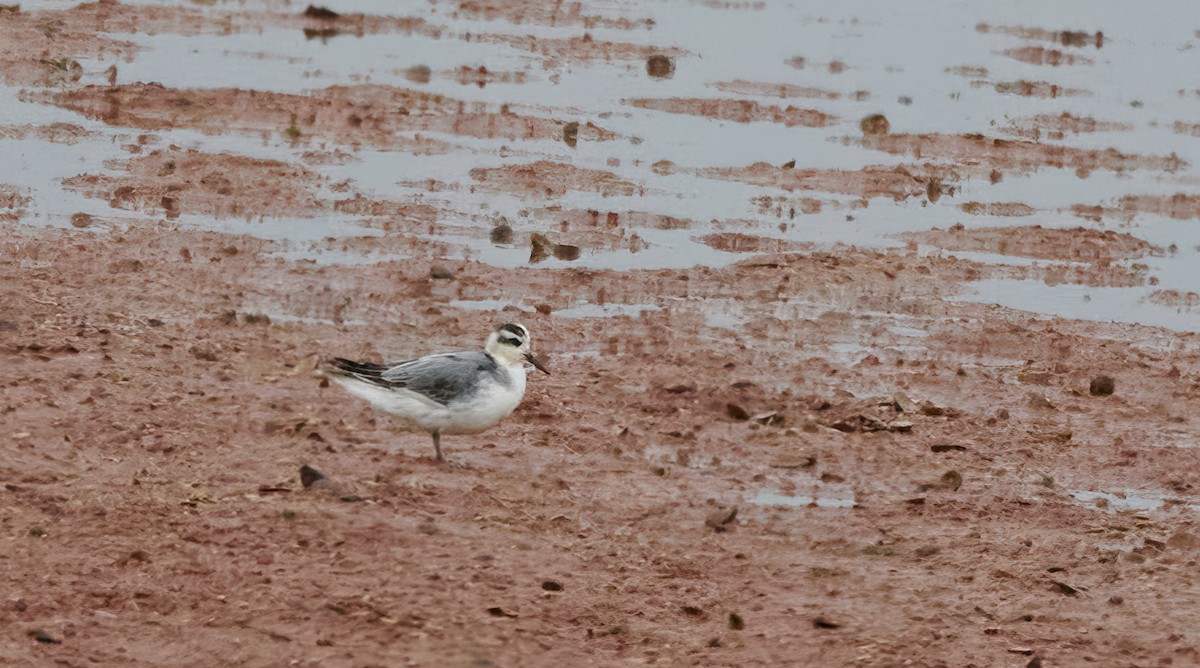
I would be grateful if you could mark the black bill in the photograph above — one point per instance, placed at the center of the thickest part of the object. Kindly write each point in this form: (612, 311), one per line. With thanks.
(537, 362)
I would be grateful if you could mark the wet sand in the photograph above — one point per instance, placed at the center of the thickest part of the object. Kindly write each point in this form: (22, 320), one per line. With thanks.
(852, 332)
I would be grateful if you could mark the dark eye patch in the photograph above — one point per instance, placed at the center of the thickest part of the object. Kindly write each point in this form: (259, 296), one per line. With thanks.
(510, 341)
(513, 329)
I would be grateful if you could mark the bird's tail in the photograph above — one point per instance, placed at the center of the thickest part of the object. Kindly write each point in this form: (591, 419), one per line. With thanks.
(339, 367)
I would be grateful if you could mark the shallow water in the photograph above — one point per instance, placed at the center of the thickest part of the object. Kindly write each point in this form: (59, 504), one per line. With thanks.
(1127, 500)
(1140, 76)
(768, 498)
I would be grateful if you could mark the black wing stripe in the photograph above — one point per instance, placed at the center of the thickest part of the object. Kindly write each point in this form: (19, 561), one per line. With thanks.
(367, 371)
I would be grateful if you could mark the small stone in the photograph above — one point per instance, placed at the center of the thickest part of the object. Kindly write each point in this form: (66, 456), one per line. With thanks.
(1039, 401)
(1182, 540)
(310, 476)
(1064, 588)
(1116, 600)
(904, 404)
(441, 274)
(768, 418)
(931, 409)
(1102, 386)
(500, 612)
(305, 366)
(566, 252)
(794, 461)
(551, 585)
(418, 74)
(540, 248)
(822, 623)
(875, 124)
(736, 622)
(322, 13)
(952, 479)
(43, 637)
(571, 134)
(125, 266)
(719, 518)
(860, 422)
(660, 67)
(81, 220)
(502, 234)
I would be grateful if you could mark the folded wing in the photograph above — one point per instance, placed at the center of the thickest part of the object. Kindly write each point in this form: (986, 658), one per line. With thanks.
(439, 378)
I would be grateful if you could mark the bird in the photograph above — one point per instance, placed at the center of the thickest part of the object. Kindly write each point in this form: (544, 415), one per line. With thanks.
(461, 392)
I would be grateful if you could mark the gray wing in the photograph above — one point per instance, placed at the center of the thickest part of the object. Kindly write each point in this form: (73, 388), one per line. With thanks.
(444, 378)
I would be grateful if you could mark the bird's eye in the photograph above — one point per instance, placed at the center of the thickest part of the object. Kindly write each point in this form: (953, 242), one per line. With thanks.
(511, 341)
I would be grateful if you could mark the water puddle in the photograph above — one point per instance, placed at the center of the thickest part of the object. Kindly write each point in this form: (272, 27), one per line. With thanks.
(848, 52)
(607, 310)
(1126, 500)
(678, 456)
(775, 499)
(1082, 302)
(489, 305)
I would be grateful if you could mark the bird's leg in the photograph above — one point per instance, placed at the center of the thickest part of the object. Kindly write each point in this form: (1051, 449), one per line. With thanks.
(437, 444)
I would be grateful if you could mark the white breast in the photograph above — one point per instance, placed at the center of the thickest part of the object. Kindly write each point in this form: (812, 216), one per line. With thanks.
(488, 407)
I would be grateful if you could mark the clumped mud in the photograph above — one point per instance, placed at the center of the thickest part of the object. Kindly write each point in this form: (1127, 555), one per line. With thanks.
(742, 87)
(56, 133)
(735, 242)
(1057, 127)
(1067, 38)
(548, 179)
(579, 49)
(896, 182)
(43, 49)
(364, 115)
(1032, 89)
(1015, 154)
(1036, 55)
(12, 203)
(481, 76)
(554, 14)
(1177, 299)
(1181, 206)
(315, 22)
(1007, 209)
(176, 181)
(738, 111)
(1063, 245)
(612, 219)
